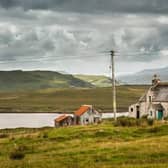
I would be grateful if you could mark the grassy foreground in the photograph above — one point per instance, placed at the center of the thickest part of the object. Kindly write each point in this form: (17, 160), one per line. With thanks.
(97, 146)
(68, 100)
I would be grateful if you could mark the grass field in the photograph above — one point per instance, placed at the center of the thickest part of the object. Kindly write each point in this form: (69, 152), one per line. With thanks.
(68, 100)
(97, 146)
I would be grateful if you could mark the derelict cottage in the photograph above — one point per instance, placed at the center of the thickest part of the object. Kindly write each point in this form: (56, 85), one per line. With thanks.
(154, 103)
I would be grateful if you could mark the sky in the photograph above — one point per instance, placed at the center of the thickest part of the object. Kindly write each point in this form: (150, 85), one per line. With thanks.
(74, 36)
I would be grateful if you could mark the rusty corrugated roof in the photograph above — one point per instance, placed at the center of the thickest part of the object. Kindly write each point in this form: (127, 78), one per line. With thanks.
(60, 118)
(82, 110)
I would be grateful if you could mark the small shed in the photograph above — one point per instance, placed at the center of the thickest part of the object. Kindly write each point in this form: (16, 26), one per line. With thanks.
(86, 114)
(63, 120)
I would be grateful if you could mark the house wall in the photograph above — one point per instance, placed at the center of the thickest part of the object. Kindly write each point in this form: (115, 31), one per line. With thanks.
(132, 110)
(146, 109)
(143, 105)
(87, 118)
(165, 106)
(152, 113)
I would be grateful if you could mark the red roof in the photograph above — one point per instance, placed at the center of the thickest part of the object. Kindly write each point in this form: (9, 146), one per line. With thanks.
(82, 110)
(61, 118)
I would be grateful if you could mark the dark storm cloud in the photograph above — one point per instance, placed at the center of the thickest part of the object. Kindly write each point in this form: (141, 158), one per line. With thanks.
(46, 30)
(90, 6)
(144, 45)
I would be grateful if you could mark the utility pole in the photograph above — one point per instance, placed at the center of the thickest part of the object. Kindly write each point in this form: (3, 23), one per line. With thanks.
(113, 84)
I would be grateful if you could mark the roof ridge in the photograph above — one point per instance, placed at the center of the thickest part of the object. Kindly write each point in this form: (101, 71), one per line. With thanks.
(82, 110)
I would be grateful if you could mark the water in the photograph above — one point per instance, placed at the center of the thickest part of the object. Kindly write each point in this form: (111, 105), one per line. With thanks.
(36, 120)
(111, 115)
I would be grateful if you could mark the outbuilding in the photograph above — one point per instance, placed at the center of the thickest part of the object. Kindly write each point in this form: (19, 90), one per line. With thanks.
(86, 114)
(64, 120)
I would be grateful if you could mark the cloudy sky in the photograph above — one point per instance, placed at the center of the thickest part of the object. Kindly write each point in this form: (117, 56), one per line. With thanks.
(73, 35)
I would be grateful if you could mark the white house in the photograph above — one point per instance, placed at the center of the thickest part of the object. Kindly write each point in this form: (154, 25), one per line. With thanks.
(154, 103)
(86, 114)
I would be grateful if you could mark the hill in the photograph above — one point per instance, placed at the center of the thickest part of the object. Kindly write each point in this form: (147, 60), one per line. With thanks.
(96, 80)
(94, 146)
(68, 100)
(145, 76)
(32, 80)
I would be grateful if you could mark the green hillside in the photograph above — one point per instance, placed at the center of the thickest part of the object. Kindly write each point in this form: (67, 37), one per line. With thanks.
(97, 80)
(94, 146)
(32, 80)
(68, 100)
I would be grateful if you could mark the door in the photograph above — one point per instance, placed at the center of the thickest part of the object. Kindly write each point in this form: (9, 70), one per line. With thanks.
(77, 120)
(160, 114)
(138, 112)
(138, 115)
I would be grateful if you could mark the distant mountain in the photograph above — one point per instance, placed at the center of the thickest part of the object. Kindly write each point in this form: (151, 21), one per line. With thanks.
(31, 80)
(96, 80)
(145, 76)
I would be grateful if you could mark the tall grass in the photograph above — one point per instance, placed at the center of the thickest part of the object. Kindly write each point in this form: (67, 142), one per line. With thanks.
(94, 146)
(131, 122)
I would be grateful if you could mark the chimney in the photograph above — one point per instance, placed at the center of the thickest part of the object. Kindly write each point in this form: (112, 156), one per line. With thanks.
(155, 80)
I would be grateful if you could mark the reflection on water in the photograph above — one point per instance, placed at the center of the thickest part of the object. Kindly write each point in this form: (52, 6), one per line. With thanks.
(15, 120)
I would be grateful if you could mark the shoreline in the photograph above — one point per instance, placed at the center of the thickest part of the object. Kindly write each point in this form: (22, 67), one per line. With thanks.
(37, 120)
(40, 112)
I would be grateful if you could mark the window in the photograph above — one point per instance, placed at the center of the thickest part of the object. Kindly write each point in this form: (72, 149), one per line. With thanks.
(132, 109)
